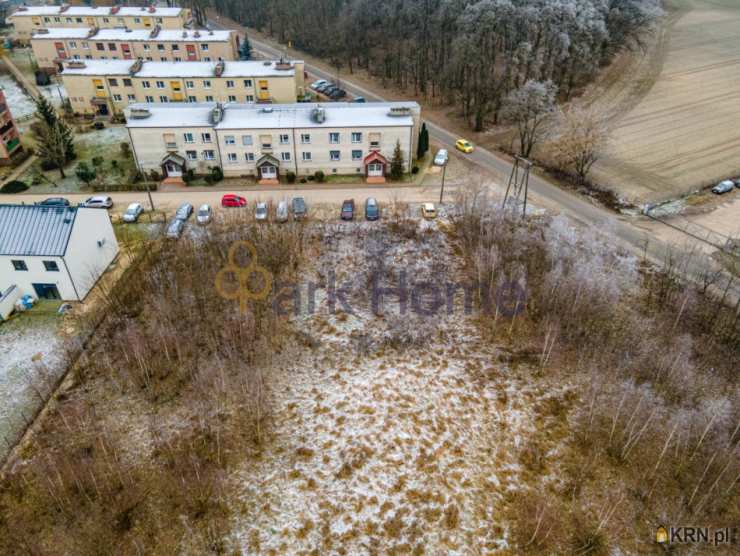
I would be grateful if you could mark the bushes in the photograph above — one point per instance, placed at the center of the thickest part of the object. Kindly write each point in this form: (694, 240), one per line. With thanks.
(290, 176)
(216, 175)
(319, 176)
(14, 186)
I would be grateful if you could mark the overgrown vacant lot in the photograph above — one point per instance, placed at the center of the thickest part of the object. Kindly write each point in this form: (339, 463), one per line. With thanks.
(683, 132)
(551, 419)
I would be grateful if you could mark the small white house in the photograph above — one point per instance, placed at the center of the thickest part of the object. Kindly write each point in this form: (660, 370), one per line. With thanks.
(54, 252)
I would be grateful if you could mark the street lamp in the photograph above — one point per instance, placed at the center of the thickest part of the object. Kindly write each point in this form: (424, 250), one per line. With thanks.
(442, 190)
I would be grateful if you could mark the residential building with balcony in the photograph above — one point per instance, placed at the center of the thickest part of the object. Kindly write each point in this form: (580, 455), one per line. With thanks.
(51, 47)
(266, 142)
(27, 19)
(106, 87)
(10, 138)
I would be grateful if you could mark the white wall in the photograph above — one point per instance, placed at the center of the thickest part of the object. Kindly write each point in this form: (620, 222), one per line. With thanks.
(36, 274)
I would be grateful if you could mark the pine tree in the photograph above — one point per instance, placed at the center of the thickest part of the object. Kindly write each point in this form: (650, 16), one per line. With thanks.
(245, 50)
(52, 145)
(49, 117)
(397, 162)
(423, 144)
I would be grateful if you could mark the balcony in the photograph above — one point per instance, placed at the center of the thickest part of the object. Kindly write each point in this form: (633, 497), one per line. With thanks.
(12, 144)
(6, 127)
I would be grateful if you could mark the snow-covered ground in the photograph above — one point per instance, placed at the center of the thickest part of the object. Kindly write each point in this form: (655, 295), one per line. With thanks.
(29, 364)
(20, 103)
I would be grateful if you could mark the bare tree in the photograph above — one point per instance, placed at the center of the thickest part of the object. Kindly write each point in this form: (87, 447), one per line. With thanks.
(529, 107)
(581, 136)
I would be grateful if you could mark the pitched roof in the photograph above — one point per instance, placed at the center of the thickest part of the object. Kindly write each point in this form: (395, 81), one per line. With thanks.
(35, 230)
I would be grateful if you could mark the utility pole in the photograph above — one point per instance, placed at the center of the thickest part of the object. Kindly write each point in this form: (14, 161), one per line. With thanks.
(518, 184)
(442, 190)
(149, 194)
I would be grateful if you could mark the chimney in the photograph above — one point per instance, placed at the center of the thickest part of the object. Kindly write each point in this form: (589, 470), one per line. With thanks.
(135, 67)
(155, 31)
(219, 69)
(63, 8)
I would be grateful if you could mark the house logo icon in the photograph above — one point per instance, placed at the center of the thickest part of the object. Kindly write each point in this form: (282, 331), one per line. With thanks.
(661, 535)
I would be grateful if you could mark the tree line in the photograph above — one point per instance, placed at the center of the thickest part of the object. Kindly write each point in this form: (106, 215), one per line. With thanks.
(470, 53)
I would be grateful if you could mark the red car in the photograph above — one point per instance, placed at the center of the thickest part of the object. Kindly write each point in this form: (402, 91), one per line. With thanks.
(231, 200)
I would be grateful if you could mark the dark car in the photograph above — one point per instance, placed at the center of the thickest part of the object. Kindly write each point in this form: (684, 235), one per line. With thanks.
(299, 207)
(359, 99)
(348, 209)
(325, 86)
(328, 91)
(339, 93)
(372, 210)
(54, 202)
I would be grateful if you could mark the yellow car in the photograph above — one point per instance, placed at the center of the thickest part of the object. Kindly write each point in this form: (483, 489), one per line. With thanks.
(428, 211)
(464, 145)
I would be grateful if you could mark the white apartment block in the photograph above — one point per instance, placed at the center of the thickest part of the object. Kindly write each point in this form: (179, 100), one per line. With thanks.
(51, 47)
(27, 19)
(266, 142)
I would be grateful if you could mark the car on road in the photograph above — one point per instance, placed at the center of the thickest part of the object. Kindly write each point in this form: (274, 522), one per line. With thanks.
(428, 211)
(281, 212)
(298, 205)
(133, 212)
(372, 210)
(184, 211)
(99, 201)
(723, 187)
(464, 145)
(54, 202)
(441, 158)
(232, 200)
(348, 209)
(260, 212)
(204, 215)
(359, 99)
(175, 228)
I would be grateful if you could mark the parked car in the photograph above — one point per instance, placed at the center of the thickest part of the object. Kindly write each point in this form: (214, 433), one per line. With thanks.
(441, 158)
(204, 215)
(723, 187)
(281, 212)
(329, 89)
(464, 145)
(184, 211)
(260, 212)
(372, 210)
(133, 212)
(54, 202)
(348, 209)
(232, 200)
(337, 94)
(99, 201)
(175, 228)
(300, 210)
(316, 84)
(428, 211)
(737, 182)
(359, 99)
(323, 87)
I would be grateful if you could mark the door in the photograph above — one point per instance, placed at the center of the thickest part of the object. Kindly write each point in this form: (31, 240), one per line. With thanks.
(173, 170)
(268, 172)
(375, 169)
(102, 109)
(46, 291)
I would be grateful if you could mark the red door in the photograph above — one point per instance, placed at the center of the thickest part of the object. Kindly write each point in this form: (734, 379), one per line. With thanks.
(126, 51)
(60, 50)
(192, 55)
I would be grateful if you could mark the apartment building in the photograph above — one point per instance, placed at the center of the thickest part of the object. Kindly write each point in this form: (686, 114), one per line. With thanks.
(269, 141)
(51, 47)
(106, 87)
(10, 139)
(27, 19)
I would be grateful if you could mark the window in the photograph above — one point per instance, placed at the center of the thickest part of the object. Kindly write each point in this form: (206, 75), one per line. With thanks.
(232, 98)
(305, 138)
(249, 157)
(356, 137)
(169, 140)
(246, 140)
(78, 20)
(113, 82)
(160, 47)
(306, 156)
(334, 155)
(188, 137)
(204, 47)
(137, 20)
(145, 85)
(76, 57)
(285, 156)
(99, 46)
(209, 98)
(190, 84)
(146, 47)
(117, 98)
(86, 45)
(47, 20)
(191, 155)
(127, 82)
(159, 19)
(356, 155)
(284, 139)
(334, 137)
(206, 58)
(247, 82)
(177, 59)
(111, 46)
(229, 140)
(160, 84)
(57, 19)
(149, 59)
(231, 157)
(266, 141)
(72, 44)
(208, 155)
(229, 84)
(374, 140)
(175, 47)
(68, 20)
(205, 137)
(106, 20)
(163, 98)
(250, 98)
(192, 98)
(206, 84)
(148, 98)
(88, 57)
(132, 98)
(19, 265)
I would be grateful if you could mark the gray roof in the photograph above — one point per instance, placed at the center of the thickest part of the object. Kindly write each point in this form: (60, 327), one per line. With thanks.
(35, 230)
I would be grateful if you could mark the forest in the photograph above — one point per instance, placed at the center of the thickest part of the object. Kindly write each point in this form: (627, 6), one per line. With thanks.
(464, 52)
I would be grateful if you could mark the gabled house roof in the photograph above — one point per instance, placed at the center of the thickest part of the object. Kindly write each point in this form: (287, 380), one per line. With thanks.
(34, 230)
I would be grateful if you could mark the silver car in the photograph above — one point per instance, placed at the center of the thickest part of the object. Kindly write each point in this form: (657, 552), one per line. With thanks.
(99, 201)
(133, 212)
(184, 211)
(723, 187)
(281, 213)
(204, 215)
(175, 228)
(441, 158)
(260, 211)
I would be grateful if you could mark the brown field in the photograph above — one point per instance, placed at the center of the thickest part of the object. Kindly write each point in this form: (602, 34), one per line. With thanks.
(677, 106)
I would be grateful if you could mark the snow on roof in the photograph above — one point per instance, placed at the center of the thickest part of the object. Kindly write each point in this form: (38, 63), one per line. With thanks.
(86, 11)
(118, 33)
(179, 69)
(276, 116)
